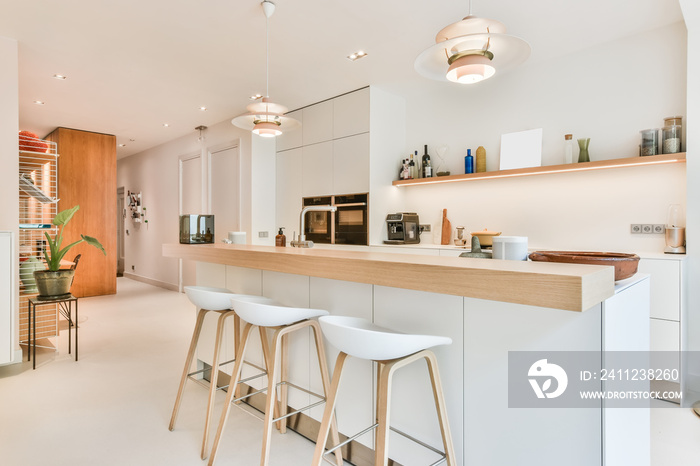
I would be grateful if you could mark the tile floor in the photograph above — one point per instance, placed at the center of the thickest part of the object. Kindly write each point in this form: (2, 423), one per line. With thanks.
(113, 406)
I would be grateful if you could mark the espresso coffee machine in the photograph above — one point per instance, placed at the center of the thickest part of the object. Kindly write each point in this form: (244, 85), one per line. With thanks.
(402, 228)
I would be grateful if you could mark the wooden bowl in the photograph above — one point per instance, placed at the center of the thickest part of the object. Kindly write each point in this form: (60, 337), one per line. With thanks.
(625, 264)
(485, 237)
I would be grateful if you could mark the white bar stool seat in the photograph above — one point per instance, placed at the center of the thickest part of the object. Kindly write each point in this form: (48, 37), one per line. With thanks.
(391, 350)
(362, 339)
(207, 299)
(265, 313)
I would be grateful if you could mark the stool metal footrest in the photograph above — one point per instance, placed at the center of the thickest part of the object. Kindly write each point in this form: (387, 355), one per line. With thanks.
(322, 399)
(443, 456)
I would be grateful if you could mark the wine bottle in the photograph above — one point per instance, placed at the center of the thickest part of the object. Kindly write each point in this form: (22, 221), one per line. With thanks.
(411, 168)
(426, 163)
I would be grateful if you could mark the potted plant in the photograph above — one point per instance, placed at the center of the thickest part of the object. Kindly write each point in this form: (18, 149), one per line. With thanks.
(56, 281)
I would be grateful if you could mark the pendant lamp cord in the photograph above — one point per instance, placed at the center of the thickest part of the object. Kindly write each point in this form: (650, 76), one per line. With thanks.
(470, 7)
(267, 57)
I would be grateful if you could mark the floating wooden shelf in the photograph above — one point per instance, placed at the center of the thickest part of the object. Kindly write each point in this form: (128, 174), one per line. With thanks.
(564, 168)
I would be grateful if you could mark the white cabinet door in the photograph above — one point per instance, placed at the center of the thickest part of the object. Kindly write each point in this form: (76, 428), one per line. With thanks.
(318, 123)
(288, 195)
(351, 114)
(665, 287)
(351, 164)
(6, 294)
(291, 139)
(317, 163)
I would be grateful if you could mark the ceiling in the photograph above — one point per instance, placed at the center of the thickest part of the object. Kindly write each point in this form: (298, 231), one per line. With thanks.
(132, 66)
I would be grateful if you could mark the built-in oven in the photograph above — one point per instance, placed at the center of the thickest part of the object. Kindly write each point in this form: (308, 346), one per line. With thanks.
(348, 225)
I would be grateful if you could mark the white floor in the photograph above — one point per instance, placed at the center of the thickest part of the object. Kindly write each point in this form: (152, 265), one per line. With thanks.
(112, 407)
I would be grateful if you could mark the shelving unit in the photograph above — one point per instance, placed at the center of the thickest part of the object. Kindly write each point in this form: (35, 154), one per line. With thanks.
(564, 168)
(38, 190)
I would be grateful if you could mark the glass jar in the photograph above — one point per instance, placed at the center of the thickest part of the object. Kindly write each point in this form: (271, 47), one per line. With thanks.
(671, 139)
(650, 142)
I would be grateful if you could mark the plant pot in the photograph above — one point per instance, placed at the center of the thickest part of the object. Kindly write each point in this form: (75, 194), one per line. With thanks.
(54, 283)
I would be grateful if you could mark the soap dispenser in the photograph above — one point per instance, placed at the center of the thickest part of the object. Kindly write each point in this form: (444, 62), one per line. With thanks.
(280, 239)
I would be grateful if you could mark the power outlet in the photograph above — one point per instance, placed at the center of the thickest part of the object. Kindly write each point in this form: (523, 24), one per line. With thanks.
(262, 234)
(647, 228)
(425, 227)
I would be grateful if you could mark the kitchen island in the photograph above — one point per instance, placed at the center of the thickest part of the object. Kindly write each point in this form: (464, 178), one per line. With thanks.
(489, 308)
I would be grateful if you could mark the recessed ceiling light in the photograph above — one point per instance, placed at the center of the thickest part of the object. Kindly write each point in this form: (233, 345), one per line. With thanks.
(255, 97)
(59, 76)
(203, 108)
(166, 125)
(132, 140)
(122, 145)
(357, 55)
(39, 102)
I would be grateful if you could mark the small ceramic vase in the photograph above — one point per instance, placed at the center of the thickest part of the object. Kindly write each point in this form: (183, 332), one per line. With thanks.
(583, 150)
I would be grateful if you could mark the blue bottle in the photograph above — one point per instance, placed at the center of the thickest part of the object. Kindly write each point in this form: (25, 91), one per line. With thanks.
(469, 162)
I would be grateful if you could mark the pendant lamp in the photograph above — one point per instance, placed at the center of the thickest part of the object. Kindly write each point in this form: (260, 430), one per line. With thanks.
(471, 50)
(266, 118)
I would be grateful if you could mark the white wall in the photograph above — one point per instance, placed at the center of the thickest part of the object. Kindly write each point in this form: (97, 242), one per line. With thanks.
(691, 13)
(9, 159)
(607, 93)
(154, 172)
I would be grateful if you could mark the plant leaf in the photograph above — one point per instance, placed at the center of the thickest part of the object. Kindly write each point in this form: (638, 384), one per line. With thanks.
(93, 241)
(63, 251)
(51, 263)
(64, 216)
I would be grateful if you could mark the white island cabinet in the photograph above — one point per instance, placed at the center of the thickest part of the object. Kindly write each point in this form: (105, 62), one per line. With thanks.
(489, 308)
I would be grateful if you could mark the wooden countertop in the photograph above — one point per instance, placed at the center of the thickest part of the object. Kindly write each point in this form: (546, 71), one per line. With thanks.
(569, 287)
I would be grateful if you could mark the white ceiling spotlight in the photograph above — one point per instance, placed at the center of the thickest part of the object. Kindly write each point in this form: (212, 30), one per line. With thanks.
(471, 50)
(266, 118)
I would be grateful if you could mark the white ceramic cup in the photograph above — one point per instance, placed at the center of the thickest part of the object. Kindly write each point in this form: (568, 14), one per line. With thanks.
(236, 237)
(513, 248)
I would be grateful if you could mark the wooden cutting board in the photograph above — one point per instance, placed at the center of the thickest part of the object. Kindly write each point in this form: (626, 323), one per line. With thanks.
(446, 228)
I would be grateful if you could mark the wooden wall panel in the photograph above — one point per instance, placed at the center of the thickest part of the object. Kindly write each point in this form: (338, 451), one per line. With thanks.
(87, 176)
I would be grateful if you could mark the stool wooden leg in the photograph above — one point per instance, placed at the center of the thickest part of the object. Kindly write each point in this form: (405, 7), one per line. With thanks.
(271, 397)
(284, 389)
(188, 362)
(328, 416)
(321, 353)
(440, 407)
(268, 362)
(213, 378)
(235, 377)
(381, 443)
(236, 346)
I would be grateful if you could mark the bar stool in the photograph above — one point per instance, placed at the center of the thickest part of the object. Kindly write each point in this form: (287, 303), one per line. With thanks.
(207, 299)
(265, 313)
(390, 350)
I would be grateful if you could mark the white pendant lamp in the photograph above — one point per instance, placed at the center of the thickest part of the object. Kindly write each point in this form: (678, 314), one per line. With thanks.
(266, 118)
(471, 50)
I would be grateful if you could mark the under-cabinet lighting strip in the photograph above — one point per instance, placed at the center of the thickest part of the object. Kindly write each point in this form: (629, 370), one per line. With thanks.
(543, 171)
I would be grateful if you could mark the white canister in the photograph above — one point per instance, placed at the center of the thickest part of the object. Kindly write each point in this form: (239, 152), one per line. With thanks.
(237, 237)
(513, 248)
